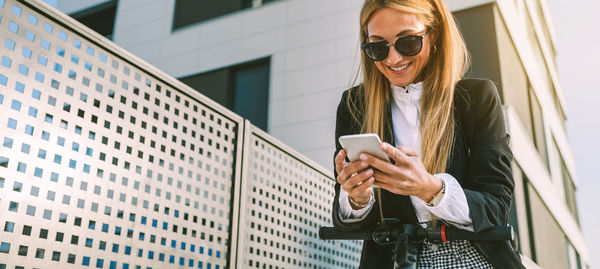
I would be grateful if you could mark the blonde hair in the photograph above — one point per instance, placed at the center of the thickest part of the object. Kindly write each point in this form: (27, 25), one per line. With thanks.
(447, 64)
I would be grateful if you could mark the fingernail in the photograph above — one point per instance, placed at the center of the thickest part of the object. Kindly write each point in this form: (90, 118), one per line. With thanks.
(363, 164)
(363, 156)
(369, 172)
(384, 145)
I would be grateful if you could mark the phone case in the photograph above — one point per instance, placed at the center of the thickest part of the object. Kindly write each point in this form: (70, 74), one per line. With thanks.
(357, 144)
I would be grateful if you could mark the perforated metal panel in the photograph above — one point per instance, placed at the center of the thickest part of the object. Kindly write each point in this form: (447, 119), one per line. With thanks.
(107, 162)
(104, 165)
(287, 199)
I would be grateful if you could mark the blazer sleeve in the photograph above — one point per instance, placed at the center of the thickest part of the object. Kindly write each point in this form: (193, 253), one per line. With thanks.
(489, 183)
(346, 124)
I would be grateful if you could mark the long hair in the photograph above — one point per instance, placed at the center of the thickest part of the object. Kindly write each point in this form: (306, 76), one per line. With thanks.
(448, 63)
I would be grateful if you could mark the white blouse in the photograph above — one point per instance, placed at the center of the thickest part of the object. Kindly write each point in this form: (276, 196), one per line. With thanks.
(452, 207)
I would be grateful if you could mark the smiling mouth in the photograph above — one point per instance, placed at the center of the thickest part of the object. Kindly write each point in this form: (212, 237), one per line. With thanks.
(400, 68)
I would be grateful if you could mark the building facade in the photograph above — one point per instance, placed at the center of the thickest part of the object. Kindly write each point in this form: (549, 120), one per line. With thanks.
(283, 64)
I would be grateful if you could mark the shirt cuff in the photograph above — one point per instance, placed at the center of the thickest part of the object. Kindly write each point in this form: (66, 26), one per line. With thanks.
(452, 206)
(347, 214)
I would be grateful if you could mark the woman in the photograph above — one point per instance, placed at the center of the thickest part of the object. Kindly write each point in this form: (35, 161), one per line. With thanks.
(446, 137)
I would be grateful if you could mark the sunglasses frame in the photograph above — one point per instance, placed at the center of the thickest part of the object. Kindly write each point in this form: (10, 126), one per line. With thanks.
(364, 46)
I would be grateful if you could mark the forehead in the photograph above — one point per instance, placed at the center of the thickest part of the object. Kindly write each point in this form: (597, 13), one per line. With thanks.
(388, 23)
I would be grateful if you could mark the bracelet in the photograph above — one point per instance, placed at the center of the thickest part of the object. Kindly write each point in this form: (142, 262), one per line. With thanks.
(433, 201)
(361, 206)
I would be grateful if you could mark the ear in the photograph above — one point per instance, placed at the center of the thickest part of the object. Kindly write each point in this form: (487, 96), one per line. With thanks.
(432, 36)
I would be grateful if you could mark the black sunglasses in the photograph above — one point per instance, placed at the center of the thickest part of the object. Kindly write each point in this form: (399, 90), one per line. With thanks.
(409, 45)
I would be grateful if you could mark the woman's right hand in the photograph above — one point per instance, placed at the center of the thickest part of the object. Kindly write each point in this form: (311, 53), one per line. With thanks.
(355, 178)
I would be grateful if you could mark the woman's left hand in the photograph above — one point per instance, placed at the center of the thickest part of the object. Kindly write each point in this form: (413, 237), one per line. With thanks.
(407, 177)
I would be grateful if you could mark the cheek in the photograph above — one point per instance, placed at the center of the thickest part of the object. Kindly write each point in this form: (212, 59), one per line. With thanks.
(380, 66)
(422, 59)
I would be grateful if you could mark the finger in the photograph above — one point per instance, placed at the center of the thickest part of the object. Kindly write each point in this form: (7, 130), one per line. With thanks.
(358, 179)
(378, 164)
(408, 151)
(339, 160)
(350, 169)
(394, 153)
(385, 186)
(384, 177)
(363, 189)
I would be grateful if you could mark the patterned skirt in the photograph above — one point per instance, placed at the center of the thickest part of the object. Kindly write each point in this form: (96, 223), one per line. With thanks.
(452, 254)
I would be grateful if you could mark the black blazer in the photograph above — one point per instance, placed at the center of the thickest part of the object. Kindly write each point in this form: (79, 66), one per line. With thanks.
(480, 161)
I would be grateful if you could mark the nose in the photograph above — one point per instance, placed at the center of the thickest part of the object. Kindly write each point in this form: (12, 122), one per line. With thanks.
(394, 56)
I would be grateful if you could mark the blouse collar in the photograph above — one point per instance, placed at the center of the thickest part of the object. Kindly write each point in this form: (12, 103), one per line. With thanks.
(409, 93)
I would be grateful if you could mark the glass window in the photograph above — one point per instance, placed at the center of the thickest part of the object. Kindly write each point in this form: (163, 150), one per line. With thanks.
(100, 18)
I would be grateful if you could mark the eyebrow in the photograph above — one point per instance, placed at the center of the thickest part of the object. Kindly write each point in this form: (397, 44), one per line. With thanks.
(403, 33)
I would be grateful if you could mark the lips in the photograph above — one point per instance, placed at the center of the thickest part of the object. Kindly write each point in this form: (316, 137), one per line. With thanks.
(399, 68)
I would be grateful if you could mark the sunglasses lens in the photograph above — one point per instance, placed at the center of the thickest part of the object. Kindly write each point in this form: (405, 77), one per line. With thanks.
(409, 45)
(377, 51)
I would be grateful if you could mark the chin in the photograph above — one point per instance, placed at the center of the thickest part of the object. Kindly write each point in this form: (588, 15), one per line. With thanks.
(401, 81)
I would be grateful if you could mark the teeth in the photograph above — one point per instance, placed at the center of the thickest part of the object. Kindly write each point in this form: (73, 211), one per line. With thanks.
(399, 68)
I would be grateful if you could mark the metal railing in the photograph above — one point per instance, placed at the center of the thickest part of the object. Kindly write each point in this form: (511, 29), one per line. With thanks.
(109, 162)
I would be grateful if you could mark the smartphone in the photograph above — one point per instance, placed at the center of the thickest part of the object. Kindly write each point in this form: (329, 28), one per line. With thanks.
(359, 143)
